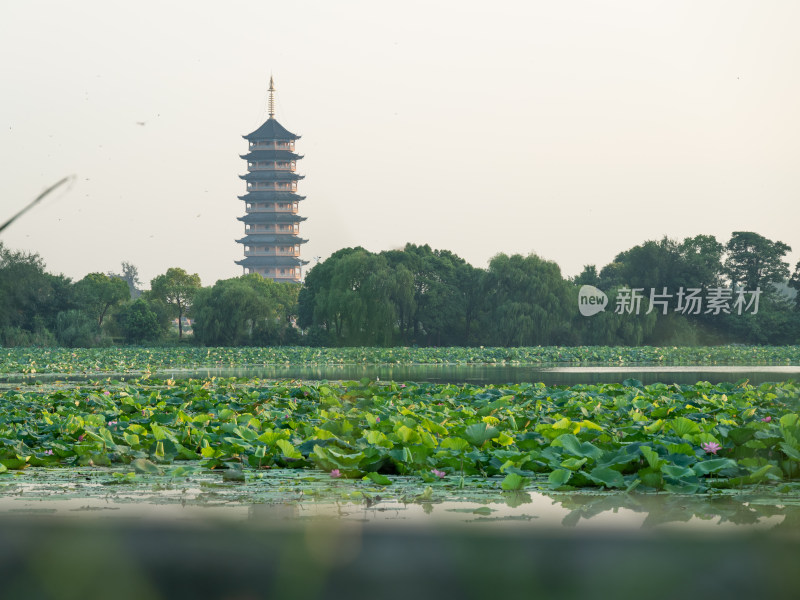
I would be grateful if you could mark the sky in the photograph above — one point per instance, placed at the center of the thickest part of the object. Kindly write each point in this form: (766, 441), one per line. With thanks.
(573, 130)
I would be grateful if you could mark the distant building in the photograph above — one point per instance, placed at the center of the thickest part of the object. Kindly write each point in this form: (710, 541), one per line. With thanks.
(272, 224)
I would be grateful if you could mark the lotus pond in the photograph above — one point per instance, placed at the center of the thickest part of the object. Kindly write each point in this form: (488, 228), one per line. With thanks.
(147, 360)
(472, 451)
(678, 438)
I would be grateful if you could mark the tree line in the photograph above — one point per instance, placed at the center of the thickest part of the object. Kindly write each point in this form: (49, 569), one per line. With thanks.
(418, 296)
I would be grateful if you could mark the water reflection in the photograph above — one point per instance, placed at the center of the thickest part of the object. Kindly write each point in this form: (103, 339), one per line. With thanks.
(661, 509)
(577, 510)
(501, 374)
(474, 374)
(286, 496)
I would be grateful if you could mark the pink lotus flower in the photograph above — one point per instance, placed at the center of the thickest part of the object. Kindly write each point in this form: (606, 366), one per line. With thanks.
(80, 437)
(439, 474)
(48, 452)
(335, 473)
(112, 423)
(710, 447)
(767, 419)
(377, 419)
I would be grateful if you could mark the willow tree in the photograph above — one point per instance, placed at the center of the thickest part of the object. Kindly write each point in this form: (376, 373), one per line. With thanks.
(530, 302)
(245, 310)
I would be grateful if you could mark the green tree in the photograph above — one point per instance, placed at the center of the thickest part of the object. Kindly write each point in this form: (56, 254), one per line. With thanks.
(177, 289)
(130, 275)
(97, 293)
(753, 261)
(359, 299)
(350, 299)
(138, 322)
(245, 310)
(588, 276)
(700, 262)
(531, 304)
(76, 329)
(30, 298)
(795, 283)
(692, 263)
(612, 328)
(438, 295)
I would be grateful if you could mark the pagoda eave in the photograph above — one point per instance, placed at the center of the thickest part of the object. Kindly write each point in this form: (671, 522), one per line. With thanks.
(275, 217)
(271, 176)
(271, 261)
(271, 130)
(271, 238)
(256, 155)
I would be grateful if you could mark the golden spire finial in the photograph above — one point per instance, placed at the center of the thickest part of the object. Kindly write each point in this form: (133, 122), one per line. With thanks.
(271, 98)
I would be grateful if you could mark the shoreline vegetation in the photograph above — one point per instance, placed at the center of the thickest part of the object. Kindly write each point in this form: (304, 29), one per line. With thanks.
(660, 293)
(27, 360)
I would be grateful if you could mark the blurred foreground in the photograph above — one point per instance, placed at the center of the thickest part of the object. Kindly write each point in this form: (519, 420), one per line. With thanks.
(51, 557)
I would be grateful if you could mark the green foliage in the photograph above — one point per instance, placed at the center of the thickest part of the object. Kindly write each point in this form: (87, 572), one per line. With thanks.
(246, 310)
(138, 323)
(754, 261)
(30, 299)
(60, 360)
(693, 263)
(531, 304)
(97, 293)
(425, 297)
(177, 289)
(683, 439)
(794, 282)
(416, 296)
(76, 329)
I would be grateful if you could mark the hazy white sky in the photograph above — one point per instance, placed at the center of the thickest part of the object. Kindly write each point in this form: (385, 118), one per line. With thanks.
(574, 130)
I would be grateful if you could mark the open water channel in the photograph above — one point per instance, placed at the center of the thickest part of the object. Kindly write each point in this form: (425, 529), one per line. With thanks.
(473, 374)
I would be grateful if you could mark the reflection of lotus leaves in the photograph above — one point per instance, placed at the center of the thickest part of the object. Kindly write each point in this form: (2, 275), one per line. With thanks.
(516, 498)
(661, 509)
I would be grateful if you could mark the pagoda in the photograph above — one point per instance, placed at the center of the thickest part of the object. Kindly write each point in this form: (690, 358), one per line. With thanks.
(271, 223)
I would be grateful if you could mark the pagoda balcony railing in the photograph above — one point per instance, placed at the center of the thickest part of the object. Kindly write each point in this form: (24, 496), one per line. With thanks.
(254, 167)
(287, 211)
(272, 146)
(286, 229)
(277, 275)
(271, 253)
(272, 186)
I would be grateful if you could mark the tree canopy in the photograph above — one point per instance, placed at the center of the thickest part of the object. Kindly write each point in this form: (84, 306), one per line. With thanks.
(422, 296)
(754, 261)
(177, 289)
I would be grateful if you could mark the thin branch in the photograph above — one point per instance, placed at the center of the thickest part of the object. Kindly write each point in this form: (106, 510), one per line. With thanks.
(38, 199)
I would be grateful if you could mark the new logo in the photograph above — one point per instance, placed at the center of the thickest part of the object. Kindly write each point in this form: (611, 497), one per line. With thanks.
(591, 300)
